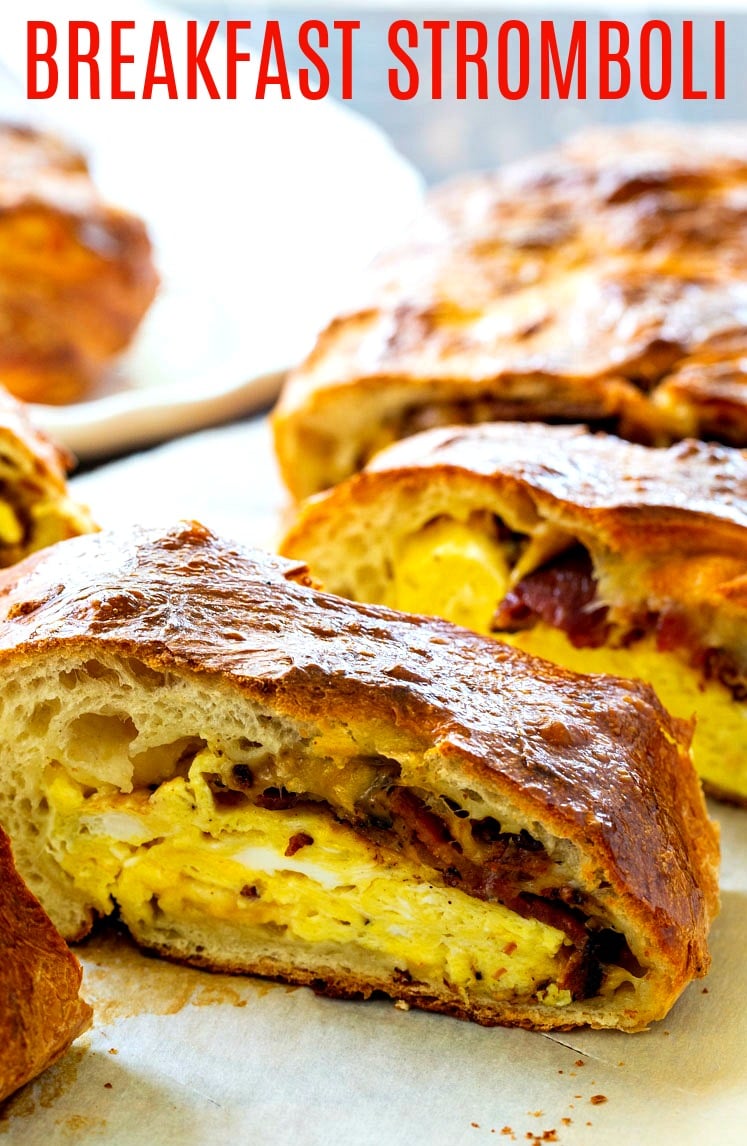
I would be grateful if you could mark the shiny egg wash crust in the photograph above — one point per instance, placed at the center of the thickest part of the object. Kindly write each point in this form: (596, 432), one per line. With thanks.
(600, 282)
(259, 777)
(219, 840)
(596, 554)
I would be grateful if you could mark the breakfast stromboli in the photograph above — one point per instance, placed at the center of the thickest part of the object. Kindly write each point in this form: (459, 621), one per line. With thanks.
(598, 554)
(41, 1012)
(76, 274)
(257, 776)
(35, 508)
(602, 282)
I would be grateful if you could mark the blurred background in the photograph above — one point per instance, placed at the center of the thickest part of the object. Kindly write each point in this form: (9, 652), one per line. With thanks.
(263, 212)
(444, 137)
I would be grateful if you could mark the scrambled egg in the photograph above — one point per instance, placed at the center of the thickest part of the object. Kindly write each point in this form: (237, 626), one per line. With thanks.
(11, 530)
(448, 570)
(178, 852)
(721, 726)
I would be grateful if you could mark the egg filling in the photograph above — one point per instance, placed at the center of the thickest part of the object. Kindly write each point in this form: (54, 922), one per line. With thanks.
(453, 570)
(191, 849)
(29, 522)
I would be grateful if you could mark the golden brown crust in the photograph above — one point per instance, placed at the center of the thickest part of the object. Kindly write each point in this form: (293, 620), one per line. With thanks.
(45, 458)
(595, 760)
(41, 1012)
(334, 984)
(77, 274)
(602, 478)
(33, 486)
(601, 282)
(684, 508)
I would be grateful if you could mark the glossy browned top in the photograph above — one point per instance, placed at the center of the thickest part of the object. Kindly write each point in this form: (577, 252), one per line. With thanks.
(596, 473)
(76, 273)
(40, 172)
(595, 759)
(675, 520)
(601, 281)
(40, 1010)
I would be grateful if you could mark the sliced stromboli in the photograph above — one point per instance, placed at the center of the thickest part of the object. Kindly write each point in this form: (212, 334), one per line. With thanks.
(41, 1011)
(256, 776)
(35, 508)
(602, 282)
(76, 274)
(600, 555)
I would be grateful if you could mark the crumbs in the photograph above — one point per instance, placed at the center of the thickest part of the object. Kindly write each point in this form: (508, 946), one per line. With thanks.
(555, 1133)
(540, 1136)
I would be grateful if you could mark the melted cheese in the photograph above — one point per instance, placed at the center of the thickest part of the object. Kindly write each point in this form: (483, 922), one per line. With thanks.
(436, 586)
(175, 852)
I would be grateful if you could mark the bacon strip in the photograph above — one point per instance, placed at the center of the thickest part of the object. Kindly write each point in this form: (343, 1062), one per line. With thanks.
(511, 861)
(561, 593)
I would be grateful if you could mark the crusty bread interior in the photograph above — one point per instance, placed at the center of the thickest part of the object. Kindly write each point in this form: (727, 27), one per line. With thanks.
(93, 744)
(426, 541)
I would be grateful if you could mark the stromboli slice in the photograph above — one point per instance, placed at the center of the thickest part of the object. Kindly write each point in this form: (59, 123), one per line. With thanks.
(41, 1012)
(598, 554)
(35, 507)
(261, 777)
(76, 274)
(601, 282)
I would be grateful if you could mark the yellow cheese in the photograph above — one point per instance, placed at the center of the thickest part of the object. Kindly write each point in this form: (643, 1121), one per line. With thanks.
(438, 564)
(178, 853)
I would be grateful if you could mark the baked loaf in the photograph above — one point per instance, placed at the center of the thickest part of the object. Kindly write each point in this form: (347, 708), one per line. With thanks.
(602, 282)
(40, 1008)
(261, 777)
(598, 554)
(76, 275)
(35, 509)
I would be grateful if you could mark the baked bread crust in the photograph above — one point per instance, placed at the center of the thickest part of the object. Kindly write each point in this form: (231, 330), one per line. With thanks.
(595, 761)
(33, 488)
(601, 282)
(666, 530)
(76, 274)
(672, 505)
(41, 1011)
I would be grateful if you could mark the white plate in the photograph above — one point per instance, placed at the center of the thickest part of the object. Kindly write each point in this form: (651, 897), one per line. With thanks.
(260, 213)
